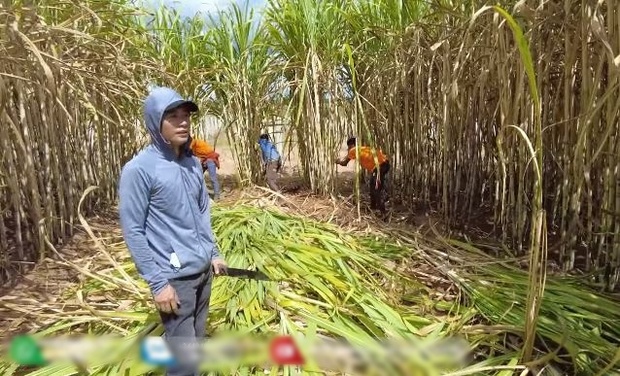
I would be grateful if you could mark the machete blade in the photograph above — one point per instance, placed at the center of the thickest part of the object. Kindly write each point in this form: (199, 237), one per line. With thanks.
(245, 273)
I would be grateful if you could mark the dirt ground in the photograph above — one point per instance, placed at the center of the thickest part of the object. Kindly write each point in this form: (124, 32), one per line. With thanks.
(33, 300)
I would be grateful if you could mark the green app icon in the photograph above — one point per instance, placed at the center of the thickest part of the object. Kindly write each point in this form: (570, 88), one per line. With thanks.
(25, 351)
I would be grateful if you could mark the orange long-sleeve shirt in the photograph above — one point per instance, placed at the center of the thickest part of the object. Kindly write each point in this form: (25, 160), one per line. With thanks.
(367, 160)
(204, 151)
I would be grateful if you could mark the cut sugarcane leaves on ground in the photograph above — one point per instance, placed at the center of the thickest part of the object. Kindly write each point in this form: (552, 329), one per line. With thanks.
(326, 283)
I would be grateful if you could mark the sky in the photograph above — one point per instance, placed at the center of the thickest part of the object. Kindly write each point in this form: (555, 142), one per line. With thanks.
(189, 8)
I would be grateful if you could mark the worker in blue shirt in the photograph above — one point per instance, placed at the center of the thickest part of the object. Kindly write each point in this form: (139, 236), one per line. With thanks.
(272, 162)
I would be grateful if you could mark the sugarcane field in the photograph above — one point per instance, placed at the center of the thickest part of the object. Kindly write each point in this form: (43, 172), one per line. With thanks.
(310, 187)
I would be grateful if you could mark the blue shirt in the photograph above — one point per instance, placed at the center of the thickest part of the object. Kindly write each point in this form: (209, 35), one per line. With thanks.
(164, 206)
(269, 151)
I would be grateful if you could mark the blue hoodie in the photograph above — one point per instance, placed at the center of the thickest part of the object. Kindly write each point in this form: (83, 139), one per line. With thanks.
(269, 151)
(164, 206)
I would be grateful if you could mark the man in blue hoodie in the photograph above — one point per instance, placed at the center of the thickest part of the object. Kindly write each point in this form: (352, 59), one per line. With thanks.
(166, 223)
(271, 161)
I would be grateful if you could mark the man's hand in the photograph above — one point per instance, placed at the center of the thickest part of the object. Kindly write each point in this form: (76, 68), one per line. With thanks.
(219, 266)
(167, 300)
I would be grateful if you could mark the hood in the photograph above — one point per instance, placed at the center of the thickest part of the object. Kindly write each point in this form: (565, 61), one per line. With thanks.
(158, 101)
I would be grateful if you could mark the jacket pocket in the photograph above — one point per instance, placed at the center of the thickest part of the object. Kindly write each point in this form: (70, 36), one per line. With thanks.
(174, 260)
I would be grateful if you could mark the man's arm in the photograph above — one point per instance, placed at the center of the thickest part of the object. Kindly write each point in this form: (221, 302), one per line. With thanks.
(134, 195)
(343, 161)
(347, 158)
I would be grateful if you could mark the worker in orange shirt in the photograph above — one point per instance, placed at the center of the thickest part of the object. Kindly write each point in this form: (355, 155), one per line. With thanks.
(367, 161)
(210, 160)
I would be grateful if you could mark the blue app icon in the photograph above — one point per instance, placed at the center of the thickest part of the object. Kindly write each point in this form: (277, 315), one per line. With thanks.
(155, 351)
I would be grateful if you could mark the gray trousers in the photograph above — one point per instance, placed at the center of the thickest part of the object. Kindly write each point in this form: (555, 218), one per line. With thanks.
(272, 175)
(189, 326)
(213, 175)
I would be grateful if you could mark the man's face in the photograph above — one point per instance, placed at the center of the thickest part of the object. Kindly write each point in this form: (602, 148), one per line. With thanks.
(175, 126)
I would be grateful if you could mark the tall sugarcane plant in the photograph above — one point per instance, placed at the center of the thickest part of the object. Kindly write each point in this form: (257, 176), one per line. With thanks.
(308, 36)
(538, 232)
(70, 95)
(239, 77)
(178, 44)
(375, 30)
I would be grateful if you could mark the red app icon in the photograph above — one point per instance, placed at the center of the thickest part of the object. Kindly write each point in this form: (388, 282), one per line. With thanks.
(284, 351)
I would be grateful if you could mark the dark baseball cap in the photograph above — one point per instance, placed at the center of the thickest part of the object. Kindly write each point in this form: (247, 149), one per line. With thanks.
(191, 106)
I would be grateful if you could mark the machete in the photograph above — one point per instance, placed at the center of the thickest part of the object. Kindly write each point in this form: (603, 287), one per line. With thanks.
(245, 273)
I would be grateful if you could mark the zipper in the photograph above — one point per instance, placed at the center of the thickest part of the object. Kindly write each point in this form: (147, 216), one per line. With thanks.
(183, 177)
